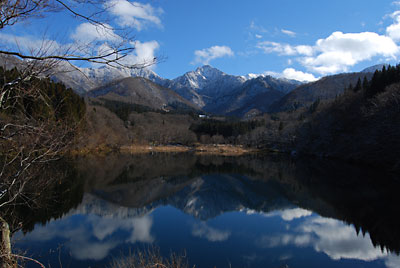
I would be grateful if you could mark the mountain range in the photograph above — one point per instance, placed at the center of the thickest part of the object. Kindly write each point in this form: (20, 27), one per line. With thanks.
(141, 91)
(206, 88)
(212, 90)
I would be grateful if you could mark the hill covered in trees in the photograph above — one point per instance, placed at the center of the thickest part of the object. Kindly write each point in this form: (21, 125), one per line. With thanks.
(362, 125)
(39, 99)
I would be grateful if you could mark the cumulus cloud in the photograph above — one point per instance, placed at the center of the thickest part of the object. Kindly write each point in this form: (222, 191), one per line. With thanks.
(87, 32)
(144, 53)
(393, 30)
(206, 55)
(289, 33)
(134, 14)
(285, 49)
(30, 44)
(209, 233)
(290, 73)
(340, 51)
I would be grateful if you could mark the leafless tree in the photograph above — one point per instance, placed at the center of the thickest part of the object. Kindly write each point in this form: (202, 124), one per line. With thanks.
(27, 142)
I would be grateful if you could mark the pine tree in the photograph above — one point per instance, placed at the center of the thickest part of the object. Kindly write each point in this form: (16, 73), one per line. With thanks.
(365, 84)
(358, 85)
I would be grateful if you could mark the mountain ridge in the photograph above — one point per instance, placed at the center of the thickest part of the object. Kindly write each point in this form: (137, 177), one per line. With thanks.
(141, 91)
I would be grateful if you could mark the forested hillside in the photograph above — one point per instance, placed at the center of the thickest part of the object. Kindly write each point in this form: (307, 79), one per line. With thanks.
(39, 99)
(362, 125)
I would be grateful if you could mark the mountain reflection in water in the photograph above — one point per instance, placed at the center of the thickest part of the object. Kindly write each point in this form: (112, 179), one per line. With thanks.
(251, 211)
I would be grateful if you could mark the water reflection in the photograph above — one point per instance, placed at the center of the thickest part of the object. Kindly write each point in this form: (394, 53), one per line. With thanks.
(253, 211)
(211, 234)
(93, 237)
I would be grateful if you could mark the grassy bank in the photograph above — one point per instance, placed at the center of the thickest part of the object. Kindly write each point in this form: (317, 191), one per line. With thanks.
(215, 149)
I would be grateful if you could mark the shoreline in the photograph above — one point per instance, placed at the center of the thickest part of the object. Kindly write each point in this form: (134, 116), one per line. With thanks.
(201, 149)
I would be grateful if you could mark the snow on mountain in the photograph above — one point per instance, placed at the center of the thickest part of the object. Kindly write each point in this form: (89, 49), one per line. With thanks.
(204, 84)
(84, 79)
(206, 87)
(257, 93)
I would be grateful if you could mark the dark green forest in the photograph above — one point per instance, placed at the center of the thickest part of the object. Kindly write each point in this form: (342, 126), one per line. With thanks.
(362, 125)
(228, 128)
(48, 100)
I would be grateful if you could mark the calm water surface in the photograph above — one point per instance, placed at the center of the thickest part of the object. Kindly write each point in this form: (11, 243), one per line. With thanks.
(222, 211)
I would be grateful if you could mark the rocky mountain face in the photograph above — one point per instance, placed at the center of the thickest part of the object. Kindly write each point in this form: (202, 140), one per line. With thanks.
(256, 94)
(83, 80)
(205, 84)
(207, 88)
(220, 93)
(141, 91)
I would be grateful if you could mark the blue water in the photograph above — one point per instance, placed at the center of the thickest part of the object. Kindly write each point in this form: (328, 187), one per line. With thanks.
(217, 220)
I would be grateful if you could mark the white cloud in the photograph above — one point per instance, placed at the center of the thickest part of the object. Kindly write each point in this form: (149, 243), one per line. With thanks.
(134, 14)
(340, 51)
(285, 49)
(340, 241)
(392, 261)
(31, 45)
(211, 234)
(334, 238)
(95, 236)
(87, 32)
(295, 213)
(144, 53)
(289, 33)
(254, 27)
(393, 31)
(290, 213)
(206, 55)
(258, 36)
(291, 73)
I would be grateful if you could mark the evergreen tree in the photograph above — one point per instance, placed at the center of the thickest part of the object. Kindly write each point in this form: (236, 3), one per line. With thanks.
(365, 84)
(358, 85)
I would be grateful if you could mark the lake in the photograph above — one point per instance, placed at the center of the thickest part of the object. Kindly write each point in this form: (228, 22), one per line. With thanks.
(248, 211)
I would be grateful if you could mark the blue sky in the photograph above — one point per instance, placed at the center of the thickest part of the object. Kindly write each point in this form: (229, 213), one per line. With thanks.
(301, 40)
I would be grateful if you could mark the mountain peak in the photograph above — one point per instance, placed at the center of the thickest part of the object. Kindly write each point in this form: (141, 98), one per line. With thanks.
(208, 71)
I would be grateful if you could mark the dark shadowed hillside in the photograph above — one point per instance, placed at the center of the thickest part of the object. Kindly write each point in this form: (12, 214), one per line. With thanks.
(258, 93)
(326, 88)
(363, 125)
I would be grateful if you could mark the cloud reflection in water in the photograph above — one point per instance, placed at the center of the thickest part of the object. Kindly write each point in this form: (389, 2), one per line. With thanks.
(93, 237)
(332, 237)
(209, 233)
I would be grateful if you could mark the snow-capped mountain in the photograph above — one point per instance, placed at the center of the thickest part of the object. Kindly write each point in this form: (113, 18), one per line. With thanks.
(83, 80)
(205, 84)
(206, 87)
(257, 93)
